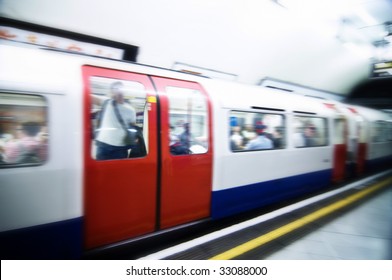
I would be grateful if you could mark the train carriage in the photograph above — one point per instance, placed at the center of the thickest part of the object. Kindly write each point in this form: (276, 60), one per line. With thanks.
(248, 178)
(376, 137)
(205, 149)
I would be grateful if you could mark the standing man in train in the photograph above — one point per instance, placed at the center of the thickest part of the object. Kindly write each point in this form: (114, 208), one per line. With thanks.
(115, 119)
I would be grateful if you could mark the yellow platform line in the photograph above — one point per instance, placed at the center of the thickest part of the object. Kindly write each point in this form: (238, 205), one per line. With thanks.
(261, 240)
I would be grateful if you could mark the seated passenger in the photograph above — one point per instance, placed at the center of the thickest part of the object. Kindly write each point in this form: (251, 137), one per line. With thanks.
(186, 137)
(309, 135)
(236, 139)
(248, 134)
(261, 142)
(277, 138)
(176, 147)
(27, 147)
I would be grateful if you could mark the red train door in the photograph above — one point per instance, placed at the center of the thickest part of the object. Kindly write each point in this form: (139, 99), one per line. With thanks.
(362, 146)
(361, 141)
(340, 150)
(120, 185)
(186, 152)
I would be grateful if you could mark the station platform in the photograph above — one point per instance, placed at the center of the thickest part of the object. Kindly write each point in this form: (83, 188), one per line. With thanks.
(353, 222)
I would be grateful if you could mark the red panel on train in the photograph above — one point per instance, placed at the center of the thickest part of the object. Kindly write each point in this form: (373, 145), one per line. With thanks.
(186, 177)
(120, 194)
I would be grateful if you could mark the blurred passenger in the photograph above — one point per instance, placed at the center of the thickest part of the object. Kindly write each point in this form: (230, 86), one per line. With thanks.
(27, 147)
(277, 138)
(116, 117)
(3, 140)
(237, 140)
(309, 135)
(176, 147)
(43, 134)
(186, 137)
(248, 134)
(261, 142)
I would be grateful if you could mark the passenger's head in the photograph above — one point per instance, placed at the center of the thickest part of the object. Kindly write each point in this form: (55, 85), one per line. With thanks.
(310, 129)
(260, 127)
(186, 127)
(117, 91)
(236, 129)
(249, 127)
(31, 128)
(278, 131)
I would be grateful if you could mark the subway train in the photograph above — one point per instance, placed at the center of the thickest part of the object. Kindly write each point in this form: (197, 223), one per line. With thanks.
(186, 149)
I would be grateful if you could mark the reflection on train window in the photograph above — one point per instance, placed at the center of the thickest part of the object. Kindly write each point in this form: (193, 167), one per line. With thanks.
(23, 130)
(251, 131)
(389, 131)
(310, 132)
(382, 131)
(188, 120)
(119, 119)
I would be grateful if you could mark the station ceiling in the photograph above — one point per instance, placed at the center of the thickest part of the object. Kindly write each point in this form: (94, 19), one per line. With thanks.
(361, 22)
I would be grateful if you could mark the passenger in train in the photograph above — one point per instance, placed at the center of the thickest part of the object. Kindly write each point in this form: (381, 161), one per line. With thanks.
(116, 118)
(186, 139)
(236, 139)
(176, 147)
(27, 147)
(261, 142)
(3, 141)
(277, 138)
(309, 135)
(185, 136)
(248, 134)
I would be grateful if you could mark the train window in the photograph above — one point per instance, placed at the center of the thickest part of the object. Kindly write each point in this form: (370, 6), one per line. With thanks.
(250, 131)
(310, 132)
(389, 133)
(381, 131)
(119, 115)
(188, 121)
(23, 130)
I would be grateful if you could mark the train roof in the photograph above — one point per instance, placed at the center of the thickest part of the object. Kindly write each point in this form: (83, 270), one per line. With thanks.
(18, 58)
(236, 96)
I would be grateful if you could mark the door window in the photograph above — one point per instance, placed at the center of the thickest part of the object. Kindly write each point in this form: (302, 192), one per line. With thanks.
(188, 121)
(119, 119)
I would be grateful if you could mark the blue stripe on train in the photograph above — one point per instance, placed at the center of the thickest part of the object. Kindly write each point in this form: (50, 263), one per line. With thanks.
(60, 240)
(379, 163)
(240, 199)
